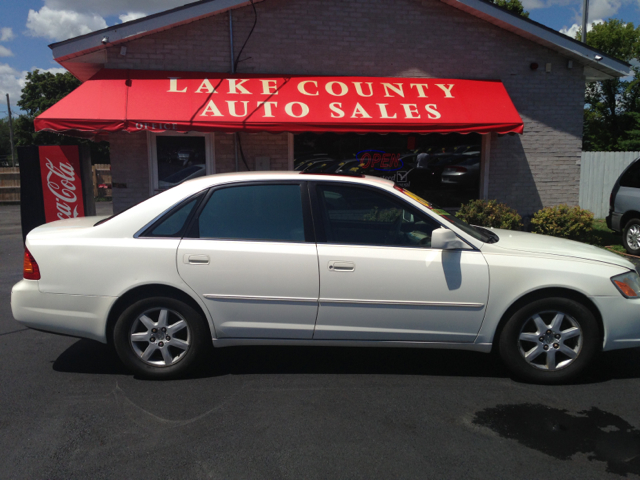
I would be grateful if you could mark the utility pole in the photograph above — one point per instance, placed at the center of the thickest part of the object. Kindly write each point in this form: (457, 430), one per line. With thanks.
(13, 157)
(585, 17)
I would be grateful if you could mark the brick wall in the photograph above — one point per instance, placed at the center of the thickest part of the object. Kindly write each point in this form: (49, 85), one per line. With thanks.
(130, 168)
(274, 146)
(403, 38)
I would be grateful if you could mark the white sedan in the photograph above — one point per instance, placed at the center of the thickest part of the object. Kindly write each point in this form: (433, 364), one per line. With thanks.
(284, 258)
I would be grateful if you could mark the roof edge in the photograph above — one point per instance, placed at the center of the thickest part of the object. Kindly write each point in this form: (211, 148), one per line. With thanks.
(93, 41)
(539, 33)
(483, 9)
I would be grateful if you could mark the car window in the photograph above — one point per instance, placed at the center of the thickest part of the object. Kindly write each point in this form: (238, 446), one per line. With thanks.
(254, 212)
(172, 225)
(362, 216)
(631, 178)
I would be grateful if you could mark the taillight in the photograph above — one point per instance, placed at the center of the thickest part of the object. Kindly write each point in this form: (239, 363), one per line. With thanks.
(30, 269)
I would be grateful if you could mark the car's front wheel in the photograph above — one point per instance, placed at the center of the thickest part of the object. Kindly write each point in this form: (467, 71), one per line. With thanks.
(160, 337)
(549, 341)
(631, 236)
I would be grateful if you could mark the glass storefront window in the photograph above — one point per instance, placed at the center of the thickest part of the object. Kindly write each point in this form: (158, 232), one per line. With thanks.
(178, 158)
(444, 169)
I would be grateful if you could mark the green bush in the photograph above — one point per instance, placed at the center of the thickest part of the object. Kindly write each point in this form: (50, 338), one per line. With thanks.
(490, 213)
(563, 221)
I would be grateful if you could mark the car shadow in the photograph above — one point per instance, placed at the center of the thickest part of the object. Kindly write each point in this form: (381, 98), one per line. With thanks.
(87, 356)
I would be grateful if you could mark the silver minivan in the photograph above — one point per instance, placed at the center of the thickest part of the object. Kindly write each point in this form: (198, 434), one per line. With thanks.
(624, 207)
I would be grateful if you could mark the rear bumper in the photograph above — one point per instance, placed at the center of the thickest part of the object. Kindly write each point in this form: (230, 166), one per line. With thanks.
(613, 221)
(74, 315)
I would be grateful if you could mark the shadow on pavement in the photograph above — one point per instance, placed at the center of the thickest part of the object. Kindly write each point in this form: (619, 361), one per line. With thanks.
(87, 356)
(614, 365)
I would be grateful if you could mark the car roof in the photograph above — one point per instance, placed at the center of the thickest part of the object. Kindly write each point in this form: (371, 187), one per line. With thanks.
(233, 177)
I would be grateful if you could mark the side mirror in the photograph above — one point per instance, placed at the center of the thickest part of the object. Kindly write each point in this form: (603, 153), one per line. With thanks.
(444, 239)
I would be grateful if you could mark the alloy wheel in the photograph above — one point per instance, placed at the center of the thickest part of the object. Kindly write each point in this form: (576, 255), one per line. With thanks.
(550, 340)
(633, 237)
(160, 337)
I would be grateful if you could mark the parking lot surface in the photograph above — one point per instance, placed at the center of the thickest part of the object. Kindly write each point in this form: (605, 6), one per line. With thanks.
(68, 409)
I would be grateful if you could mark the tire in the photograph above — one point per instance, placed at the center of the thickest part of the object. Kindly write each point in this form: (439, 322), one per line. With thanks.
(550, 341)
(631, 236)
(143, 346)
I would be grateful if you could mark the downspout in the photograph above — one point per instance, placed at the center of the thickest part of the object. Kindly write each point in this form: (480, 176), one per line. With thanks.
(233, 70)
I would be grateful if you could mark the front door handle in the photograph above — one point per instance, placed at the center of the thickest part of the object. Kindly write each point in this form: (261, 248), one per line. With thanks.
(196, 259)
(339, 266)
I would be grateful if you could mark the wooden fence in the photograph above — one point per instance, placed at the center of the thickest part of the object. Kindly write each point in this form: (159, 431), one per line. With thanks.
(10, 183)
(101, 180)
(598, 172)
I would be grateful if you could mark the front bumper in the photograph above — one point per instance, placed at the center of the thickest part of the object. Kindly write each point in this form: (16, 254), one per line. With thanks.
(621, 320)
(74, 315)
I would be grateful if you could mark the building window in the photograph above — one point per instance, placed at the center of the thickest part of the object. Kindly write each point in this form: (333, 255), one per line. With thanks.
(177, 157)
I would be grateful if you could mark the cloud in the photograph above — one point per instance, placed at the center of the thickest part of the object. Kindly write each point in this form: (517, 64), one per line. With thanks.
(603, 8)
(53, 70)
(114, 7)
(6, 34)
(533, 4)
(11, 81)
(127, 17)
(5, 52)
(62, 24)
(573, 29)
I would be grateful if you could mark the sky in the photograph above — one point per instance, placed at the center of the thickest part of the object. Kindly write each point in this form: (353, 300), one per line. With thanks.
(27, 27)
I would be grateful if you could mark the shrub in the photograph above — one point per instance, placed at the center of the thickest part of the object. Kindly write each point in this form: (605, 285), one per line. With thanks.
(490, 214)
(563, 221)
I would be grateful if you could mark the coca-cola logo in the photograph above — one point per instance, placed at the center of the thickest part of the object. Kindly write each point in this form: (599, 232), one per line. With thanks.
(61, 181)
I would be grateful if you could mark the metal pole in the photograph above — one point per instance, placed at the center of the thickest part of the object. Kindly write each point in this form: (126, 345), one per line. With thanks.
(585, 17)
(233, 66)
(13, 156)
(233, 70)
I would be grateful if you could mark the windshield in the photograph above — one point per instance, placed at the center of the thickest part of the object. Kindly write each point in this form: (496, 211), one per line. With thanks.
(478, 233)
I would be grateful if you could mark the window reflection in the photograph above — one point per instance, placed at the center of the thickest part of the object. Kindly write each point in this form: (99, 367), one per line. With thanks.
(180, 158)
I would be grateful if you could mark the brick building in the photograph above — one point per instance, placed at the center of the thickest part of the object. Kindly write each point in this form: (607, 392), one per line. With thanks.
(431, 39)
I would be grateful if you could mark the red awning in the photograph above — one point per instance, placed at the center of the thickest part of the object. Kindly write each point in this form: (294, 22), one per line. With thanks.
(135, 100)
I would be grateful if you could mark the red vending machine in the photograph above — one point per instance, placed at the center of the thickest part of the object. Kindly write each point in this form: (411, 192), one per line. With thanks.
(50, 185)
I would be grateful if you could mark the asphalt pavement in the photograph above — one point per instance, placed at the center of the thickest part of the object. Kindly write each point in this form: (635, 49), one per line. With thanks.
(68, 409)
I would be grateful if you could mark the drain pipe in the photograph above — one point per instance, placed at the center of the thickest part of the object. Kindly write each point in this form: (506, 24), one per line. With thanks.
(233, 70)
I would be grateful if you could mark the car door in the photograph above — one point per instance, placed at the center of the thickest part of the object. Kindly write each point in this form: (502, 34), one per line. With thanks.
(251, 256)
(379, 278)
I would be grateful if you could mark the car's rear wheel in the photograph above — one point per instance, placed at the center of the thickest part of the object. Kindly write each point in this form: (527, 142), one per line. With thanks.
(161, 337)
(549, 341)
(631, 236)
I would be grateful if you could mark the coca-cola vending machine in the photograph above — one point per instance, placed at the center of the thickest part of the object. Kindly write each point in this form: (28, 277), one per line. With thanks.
(51, 186)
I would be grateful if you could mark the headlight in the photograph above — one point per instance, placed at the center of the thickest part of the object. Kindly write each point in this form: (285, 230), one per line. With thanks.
(628, 284)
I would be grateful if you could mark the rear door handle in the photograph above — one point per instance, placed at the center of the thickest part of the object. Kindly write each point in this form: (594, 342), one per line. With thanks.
(339, 266)
(196, 259)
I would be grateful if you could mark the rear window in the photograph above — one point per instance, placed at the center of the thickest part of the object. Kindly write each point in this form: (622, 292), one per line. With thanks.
(631, 178)
(173, 224)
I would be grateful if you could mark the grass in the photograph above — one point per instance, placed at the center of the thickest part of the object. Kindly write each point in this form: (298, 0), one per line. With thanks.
(603, 237)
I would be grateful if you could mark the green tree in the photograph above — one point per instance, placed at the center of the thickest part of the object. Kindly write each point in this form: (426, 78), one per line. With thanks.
(41, 91)
(5, 140)
(612, 108)
(514, 6)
